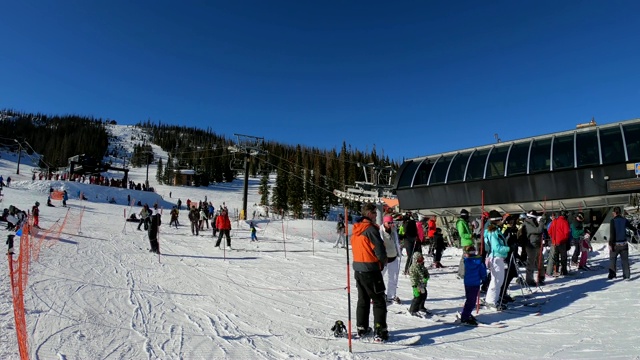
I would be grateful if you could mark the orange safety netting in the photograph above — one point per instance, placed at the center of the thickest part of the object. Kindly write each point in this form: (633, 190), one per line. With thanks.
(31, 241)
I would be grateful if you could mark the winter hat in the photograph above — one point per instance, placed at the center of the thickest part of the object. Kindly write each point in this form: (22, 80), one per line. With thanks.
(387, 219)
(494, 215)
(532, 214)
(418, 257)
(464, 213)
(523, 216)
(580, 217)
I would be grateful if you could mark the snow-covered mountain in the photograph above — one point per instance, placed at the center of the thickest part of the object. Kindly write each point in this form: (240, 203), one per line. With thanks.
(99, 294)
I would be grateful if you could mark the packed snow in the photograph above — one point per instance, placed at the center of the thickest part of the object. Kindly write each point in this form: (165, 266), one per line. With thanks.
(98, 293)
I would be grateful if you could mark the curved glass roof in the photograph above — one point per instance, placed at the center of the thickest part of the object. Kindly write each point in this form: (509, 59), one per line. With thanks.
(582, 147)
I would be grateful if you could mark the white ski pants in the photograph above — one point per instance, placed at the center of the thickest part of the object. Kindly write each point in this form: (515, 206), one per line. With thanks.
(496, 268)
(393, 269)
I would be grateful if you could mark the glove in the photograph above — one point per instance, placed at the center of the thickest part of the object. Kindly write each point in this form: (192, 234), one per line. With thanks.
(416, 291)
(425, 280)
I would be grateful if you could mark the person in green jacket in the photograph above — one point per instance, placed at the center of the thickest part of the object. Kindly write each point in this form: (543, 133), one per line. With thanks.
(466, 236)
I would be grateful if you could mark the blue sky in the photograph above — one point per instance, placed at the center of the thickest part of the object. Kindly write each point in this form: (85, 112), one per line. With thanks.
(410, 78)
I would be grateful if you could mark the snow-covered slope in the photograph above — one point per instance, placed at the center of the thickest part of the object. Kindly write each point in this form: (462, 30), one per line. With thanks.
(101, 295)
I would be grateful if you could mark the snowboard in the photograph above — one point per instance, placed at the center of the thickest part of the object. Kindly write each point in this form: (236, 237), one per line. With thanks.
(393, 339)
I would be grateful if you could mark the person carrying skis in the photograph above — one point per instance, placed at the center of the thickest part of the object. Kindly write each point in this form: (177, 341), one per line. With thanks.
(389, 235)
(474, 273)
(223, 224)
(419, 276)
(369, 258)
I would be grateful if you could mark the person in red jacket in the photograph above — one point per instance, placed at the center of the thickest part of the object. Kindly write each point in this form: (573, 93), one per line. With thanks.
(560, 232)
(223, 224)
(431, 233)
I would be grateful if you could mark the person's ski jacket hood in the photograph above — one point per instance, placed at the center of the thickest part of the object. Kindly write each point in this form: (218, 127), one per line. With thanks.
(369, 253)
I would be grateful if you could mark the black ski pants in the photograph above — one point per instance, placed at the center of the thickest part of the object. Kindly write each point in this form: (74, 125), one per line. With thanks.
(622, 250)
(533, 264)
(371, 289)
(225, 233)
(411, 245)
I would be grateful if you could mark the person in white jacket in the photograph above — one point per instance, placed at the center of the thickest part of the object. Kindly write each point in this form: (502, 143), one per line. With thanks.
(389, 234)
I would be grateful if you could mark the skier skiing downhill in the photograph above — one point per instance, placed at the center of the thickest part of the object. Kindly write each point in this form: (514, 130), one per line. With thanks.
(369, 258)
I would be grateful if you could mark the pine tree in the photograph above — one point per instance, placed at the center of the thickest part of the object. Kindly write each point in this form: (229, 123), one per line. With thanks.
(264, 189)
(279, 197)
(159, 172)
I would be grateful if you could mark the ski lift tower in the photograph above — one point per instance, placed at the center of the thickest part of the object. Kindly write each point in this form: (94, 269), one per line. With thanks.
(247, 146)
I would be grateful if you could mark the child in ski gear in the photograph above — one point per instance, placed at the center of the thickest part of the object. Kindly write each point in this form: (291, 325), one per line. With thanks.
(419, 276)
(339, 330)
(341, 238)
(474, 273)
(35, 211)
(369, 258)
(392, 246)
(253, 231)
(439, 245)
(49, 201)
(65, 197)
(585, 247)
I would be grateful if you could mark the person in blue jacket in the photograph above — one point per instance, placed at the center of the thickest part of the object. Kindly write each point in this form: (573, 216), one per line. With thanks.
(497, 252)
(474, 273)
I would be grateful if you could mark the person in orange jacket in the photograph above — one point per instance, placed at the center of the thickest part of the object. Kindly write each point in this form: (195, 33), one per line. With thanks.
(223, 224)
(369, 259)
